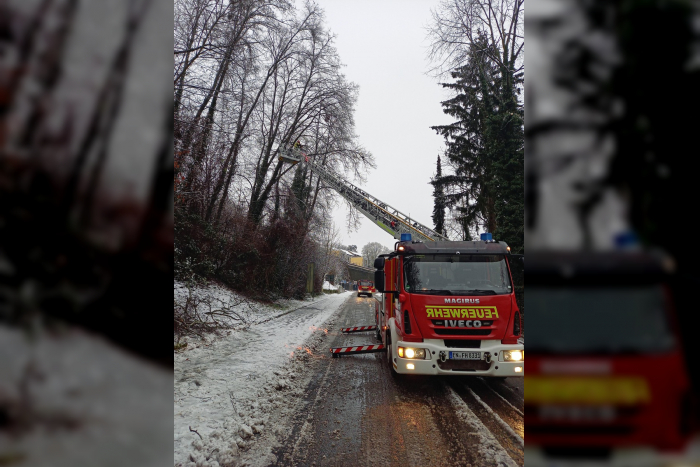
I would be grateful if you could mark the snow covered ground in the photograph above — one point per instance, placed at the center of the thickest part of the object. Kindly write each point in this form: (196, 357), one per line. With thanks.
(230, 388)
(69, 398)
(328, 286)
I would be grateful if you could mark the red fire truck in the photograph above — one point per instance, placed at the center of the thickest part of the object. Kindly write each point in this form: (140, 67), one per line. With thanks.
(607, 380)
(449, 308)
(365, 287)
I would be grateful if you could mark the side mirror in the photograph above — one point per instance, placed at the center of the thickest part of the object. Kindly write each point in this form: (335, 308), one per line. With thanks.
(379, 279)
(378, 264)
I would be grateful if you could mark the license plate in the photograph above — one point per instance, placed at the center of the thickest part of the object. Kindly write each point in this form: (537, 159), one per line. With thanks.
(465, 355)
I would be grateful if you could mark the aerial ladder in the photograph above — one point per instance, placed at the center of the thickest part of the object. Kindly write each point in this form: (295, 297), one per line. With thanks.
(388, 218)
(385, 216)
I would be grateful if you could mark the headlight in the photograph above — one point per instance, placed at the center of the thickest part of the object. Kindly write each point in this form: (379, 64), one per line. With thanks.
(408, 352)
(513, 355)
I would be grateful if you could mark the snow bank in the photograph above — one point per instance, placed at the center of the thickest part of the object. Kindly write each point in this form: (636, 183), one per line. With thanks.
(228, 309)
(76, 400)
(227, 388)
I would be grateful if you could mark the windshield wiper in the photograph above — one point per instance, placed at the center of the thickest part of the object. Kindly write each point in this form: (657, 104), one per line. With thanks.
(434, 292)
(477, 292)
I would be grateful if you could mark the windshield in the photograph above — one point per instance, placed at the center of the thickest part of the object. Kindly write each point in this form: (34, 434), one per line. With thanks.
(457, 274)
(366, 283)
(598, 319)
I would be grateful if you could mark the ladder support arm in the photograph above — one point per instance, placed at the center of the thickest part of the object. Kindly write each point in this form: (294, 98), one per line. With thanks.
(386, 217)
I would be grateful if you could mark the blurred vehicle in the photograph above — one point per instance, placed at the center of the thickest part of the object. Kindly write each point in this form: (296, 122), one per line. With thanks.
(607, 380)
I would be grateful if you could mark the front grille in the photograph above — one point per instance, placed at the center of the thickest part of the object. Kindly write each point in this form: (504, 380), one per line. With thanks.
(464, 365)
(463, 344)
(463, 332)
(441, 322)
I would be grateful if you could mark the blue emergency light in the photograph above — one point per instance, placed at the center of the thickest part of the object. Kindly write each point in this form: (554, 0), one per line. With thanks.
(486, 237)
(405, 237)
(626, 240)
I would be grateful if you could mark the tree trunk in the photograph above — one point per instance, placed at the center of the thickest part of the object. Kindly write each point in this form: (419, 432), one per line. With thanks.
(208, 122)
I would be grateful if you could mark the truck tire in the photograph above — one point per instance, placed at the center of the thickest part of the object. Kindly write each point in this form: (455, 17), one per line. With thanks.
(370, 295)
(377, 333)
(358, 294)
(388, 351)
(389, 356)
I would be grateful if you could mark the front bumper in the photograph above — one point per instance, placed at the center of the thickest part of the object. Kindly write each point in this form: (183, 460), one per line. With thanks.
(433, 365)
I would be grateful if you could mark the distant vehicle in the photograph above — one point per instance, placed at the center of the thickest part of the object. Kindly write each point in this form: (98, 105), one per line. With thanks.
(365, 287)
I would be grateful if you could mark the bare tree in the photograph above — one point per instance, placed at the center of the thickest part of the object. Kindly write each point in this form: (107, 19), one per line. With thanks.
(327, 237)
(280, 81)
(456, 25)
(252, 77)
(242, 20)
(308, 99)
(370, 252)
(195, 24)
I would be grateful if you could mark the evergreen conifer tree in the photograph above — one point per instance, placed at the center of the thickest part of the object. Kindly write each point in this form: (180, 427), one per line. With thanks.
(484, 146)
(439, 202)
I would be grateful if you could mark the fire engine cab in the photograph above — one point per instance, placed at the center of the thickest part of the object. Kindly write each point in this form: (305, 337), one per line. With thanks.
(449, 308)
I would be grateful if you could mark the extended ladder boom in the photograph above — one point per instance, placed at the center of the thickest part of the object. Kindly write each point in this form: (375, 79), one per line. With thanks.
(372, 207)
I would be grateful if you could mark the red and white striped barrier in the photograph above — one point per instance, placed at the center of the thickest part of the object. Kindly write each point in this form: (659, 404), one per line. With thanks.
(338, 351)
(359, 329)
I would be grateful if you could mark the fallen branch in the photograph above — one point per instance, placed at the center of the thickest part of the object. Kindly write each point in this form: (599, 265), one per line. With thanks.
(195, 431)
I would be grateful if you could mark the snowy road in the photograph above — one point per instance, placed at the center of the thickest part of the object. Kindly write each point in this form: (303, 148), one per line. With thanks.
(355, 413)
(236, 391)
(272, 395)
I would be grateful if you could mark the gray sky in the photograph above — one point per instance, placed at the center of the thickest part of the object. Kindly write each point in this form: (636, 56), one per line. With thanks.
(383, 45)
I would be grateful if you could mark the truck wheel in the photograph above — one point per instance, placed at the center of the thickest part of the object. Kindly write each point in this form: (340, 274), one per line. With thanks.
(388, 351)
(358, 294)
(390, 357)
(370, 295)
(377, 334)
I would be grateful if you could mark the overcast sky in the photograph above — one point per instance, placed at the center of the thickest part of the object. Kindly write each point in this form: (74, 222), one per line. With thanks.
(383, 45)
